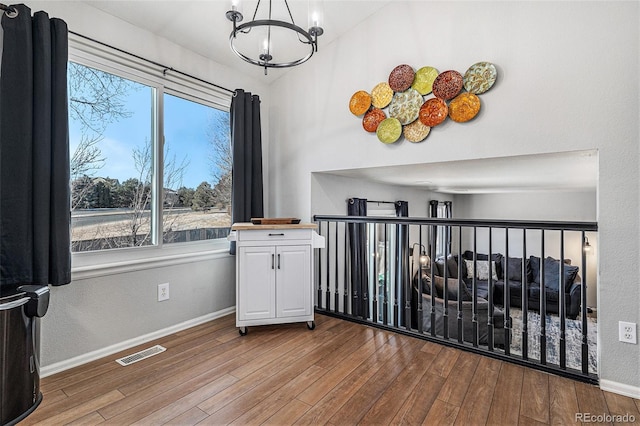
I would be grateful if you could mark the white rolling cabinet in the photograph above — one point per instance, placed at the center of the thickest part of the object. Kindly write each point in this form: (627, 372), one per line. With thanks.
(274, 273)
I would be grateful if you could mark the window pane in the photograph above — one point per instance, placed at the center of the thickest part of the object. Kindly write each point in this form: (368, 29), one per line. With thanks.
(111, 146)
(197, 172)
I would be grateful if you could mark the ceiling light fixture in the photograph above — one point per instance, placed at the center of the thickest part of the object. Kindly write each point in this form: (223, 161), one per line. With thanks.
(254, 41)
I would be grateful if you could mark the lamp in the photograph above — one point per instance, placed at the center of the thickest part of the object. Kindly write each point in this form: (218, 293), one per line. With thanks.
(424, 259)
(262, 32)
(587, 246)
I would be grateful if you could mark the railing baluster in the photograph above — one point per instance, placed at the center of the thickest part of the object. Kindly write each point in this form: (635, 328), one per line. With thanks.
(328, 289)
(561, 306)
(583, 309)
(407, 285)
(376, 281)
(319, 263)
(336, 292)
(432, 253)
(420, 287)
(490, 289)
(445, 295)
(525, 299)
(475, 287)
(507, 295)
(345, 294)
(543, 306)
(385, 303)
(460, 284)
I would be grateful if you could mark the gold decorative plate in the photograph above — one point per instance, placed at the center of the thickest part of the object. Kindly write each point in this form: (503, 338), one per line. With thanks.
(405, 106)
(416, 131)
(433, 112)
(360, 102)
(381, 95)
(423, 81)
(480, 77)
(389, 130)
(464, 107)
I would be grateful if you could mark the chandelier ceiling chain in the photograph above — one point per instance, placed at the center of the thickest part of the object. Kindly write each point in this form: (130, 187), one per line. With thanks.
(265, 56)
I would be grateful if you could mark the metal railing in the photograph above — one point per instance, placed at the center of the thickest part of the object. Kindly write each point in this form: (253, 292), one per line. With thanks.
(512, 290)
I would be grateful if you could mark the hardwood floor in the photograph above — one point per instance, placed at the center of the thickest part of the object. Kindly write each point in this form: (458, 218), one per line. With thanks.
(339, 374)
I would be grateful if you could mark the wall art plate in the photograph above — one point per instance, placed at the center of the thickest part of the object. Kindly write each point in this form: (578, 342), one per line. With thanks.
(405, 106)
(389, 130)
(464, 107)
(401, 78)
(381, 95)
(360, 102)
(447, 84)
(416, 131)
(423, 81)
(372, 119)
(480, 77)
(433, 112)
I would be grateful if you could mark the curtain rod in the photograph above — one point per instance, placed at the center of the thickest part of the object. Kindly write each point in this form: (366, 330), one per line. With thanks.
(166, 68)
(381, 202)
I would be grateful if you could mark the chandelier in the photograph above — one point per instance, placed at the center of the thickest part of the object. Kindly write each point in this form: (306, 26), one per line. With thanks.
(274, 43)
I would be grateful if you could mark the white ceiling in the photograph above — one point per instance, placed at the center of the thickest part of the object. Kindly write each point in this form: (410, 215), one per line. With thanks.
(201, 26)
(565, 171)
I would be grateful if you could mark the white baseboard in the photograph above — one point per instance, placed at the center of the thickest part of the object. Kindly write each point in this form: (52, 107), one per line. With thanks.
(76, 361)
(620, 388)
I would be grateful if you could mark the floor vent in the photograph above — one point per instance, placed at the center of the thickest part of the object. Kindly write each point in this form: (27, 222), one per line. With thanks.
(139, 356)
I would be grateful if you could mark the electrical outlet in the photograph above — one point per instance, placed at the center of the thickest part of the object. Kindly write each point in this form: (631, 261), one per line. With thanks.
(627, 332)
(163, 292)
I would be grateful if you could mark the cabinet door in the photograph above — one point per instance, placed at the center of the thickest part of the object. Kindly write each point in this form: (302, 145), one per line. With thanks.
(256, 283)
(293, 278)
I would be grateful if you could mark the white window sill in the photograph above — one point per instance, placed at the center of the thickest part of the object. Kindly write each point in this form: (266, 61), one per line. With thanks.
(112, 262)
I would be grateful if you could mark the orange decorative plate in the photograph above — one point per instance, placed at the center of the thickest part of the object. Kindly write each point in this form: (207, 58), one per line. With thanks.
(464, 107)
(372, 119)
(433, 112)
(416, 131)
(447, 85)
(423, 81)
(360, 102)
(389, 130)
(401, 78)
(381, 95)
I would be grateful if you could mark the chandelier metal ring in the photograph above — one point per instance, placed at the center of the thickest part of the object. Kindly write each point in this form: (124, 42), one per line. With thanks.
(274, 23)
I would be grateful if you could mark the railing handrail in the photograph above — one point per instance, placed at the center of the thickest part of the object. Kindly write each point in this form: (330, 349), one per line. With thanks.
(482, 223)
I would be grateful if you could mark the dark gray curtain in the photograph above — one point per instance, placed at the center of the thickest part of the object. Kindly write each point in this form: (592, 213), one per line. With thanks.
(34, 151)
(403, 286)
(359, 259)
(246, 139)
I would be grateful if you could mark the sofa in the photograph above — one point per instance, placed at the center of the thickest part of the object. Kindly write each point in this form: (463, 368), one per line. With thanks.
(509, 272)
(422, 289)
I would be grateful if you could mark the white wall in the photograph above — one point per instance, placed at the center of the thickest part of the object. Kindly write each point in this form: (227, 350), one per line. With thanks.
(567, 80)
(92, 314)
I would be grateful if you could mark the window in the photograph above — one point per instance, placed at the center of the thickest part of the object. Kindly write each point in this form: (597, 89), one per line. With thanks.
(131, 188)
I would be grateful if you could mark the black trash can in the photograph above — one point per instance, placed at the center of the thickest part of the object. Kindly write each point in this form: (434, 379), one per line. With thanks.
(20, 312)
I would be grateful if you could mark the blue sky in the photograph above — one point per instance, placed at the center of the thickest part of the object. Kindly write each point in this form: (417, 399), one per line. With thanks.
(185, 129)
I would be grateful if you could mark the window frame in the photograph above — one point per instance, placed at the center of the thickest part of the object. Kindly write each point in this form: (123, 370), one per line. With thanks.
(128, 259)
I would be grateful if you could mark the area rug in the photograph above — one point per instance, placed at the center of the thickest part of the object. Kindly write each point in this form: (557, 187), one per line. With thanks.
(573, 338)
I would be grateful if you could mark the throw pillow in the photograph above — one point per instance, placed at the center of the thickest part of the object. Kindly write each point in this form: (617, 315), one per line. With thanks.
(552, 274)
(514, 268)
(482, 272)
(452, 289)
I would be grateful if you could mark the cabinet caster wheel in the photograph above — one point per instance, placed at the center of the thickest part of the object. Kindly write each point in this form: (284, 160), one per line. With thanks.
(243, 331)
(311, 325)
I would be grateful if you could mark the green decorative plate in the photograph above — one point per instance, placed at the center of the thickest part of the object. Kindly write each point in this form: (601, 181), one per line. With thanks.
(480, 77)
(423, 81)
(405, 106)
(389, 130)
